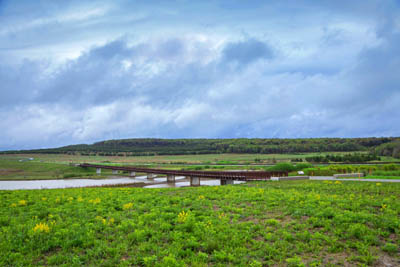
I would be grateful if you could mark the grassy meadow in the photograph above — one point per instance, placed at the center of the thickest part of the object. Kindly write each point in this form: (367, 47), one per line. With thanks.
(298, 223)
(58, 166)
(177, 159)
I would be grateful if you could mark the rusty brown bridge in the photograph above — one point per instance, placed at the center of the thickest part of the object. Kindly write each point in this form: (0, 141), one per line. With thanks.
(226, 177)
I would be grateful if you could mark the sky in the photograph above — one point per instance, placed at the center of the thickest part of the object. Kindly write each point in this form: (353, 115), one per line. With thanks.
(74, 72)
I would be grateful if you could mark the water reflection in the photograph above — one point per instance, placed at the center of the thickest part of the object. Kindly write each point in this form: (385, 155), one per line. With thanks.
(69, 183)
(158, 182)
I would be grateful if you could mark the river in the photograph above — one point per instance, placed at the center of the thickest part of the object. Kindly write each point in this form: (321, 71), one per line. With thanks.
(71, 183)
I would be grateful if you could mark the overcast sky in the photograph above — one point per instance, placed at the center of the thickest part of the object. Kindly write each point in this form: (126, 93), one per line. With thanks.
(84, 71)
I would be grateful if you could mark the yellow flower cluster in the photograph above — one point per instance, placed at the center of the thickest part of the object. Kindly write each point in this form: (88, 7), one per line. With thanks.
(127, 206)
(378, 184)
(182, 216)
(201, 197)
(95, 201)
(22, 202)
(41, 227)
(104, 221)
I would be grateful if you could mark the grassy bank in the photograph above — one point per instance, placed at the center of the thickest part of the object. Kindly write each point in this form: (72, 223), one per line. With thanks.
(286, 223)
(11, 169)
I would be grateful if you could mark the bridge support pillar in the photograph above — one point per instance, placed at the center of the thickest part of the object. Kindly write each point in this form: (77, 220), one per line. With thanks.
(171, 178)
(114, 171)
(194, 181)
(132, 174)
(98, 170)
(150, 176)
(226, 182)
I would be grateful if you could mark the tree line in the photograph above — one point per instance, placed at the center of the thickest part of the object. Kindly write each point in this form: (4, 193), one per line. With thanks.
(154, 146)
(352, 158)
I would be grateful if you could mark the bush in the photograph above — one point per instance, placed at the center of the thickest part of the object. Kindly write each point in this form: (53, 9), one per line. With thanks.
(282, 167)
(318, 172)
(390, 248)
(302, 166)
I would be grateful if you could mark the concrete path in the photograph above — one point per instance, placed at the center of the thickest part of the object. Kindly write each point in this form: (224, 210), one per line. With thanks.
(330, 178)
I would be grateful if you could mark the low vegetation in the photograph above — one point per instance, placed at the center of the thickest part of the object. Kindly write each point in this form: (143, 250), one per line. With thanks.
(369, 171)
(11, 169)
(266, 223)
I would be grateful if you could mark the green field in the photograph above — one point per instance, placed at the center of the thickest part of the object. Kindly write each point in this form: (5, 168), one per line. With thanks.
(11, 169)
(285, 223)
(46, 166)
(175, 159)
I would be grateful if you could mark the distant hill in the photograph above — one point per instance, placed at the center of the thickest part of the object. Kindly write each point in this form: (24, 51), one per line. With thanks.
(153, 146)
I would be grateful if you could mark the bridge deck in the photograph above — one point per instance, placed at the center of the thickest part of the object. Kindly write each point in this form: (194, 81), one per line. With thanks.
(230, 175)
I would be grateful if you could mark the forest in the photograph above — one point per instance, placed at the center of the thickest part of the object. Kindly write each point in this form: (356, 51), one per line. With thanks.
(382, 146)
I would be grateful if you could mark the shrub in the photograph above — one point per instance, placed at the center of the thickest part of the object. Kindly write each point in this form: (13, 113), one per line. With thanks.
(283, 167)
(302, 166)
(390, 248)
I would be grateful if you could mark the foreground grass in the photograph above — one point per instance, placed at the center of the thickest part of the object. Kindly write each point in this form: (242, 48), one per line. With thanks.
(266, 223)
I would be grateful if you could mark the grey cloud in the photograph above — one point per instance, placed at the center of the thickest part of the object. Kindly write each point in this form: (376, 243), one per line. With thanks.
(247, 51)
(181, 86)
(96, 97)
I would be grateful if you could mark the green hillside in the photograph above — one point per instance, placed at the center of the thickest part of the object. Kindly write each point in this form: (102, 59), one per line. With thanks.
(152, 146)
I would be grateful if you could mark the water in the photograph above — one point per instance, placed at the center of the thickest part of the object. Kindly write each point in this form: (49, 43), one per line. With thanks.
(70, 183)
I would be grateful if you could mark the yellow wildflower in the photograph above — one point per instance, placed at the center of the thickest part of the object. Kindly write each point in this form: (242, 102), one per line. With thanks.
(201, 197)
(41, 227)
(182, 216)
(44, 198)
(378, 184)
(80, 199)
(22, 202)
(95, 201)
(338, 182)
(127, 206)
(13, 205)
